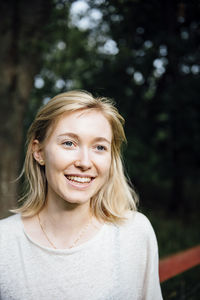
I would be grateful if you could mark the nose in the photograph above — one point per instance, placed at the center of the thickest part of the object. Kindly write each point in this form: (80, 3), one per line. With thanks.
(83, 160)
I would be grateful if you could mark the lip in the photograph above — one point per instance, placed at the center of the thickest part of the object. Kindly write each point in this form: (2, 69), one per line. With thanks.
(80, 175)
(77, 185)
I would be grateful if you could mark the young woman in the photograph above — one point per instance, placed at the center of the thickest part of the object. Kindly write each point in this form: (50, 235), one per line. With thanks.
(77, 234)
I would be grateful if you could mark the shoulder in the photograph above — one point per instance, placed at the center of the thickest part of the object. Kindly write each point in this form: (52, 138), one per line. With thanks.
(137, 228)
(9, 221)
(9, 225)
(137, 221)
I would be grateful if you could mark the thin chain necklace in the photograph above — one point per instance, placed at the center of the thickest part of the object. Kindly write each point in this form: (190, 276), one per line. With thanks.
(82, 231)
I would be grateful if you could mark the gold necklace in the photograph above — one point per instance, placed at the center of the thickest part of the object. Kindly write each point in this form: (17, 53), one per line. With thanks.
(82, 231)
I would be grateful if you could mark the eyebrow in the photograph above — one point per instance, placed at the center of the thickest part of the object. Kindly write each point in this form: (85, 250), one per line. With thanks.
(70, 134)
(75, 136)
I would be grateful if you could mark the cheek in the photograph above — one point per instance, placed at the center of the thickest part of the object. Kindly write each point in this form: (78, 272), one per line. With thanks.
(53, 164)
(105, 165)
(58, 158)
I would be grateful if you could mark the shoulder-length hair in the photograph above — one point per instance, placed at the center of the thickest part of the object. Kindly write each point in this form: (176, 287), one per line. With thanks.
(116, 197)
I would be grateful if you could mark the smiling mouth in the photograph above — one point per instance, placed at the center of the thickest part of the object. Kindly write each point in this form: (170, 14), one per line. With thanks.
(78, 179)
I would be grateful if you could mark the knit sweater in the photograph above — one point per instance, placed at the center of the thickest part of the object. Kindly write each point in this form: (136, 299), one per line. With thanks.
(119, 263)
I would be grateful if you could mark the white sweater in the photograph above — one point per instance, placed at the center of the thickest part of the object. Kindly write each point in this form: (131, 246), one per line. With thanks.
(119, 263)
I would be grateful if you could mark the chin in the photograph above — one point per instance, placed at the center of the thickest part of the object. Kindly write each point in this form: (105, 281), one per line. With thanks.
(75, 201)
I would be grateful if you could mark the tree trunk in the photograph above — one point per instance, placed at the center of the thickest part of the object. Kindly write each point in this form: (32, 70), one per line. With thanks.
(22, 27)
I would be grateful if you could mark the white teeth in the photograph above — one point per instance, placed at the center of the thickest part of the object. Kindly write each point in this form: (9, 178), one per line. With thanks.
(79, 179)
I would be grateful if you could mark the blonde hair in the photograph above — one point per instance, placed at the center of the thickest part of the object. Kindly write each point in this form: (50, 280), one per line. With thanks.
(116, 197)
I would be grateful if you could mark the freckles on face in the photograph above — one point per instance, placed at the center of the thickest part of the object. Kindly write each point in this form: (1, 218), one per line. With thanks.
(78, 155)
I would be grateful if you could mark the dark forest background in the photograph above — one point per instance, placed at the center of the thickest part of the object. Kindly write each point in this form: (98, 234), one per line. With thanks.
(145, 54)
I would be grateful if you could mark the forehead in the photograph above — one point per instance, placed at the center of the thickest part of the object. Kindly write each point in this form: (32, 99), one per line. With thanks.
(89, 122)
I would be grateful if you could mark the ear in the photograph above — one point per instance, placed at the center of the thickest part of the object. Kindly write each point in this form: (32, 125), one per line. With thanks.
(37, 152)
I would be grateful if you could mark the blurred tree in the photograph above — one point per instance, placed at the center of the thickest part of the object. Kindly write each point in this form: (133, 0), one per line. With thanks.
(22, 26)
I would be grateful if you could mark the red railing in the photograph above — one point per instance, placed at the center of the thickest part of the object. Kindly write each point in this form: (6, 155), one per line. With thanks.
(178, 263)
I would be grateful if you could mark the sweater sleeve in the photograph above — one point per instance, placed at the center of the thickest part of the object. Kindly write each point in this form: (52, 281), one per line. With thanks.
(152, 290)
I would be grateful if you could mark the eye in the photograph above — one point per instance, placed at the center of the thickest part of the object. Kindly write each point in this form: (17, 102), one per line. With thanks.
(101, 148)
(68, 144)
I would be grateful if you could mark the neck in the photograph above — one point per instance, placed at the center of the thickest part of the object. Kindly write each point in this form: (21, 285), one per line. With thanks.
(67, 219)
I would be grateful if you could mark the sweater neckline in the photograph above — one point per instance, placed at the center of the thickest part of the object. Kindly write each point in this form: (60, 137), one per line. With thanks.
(80, 247)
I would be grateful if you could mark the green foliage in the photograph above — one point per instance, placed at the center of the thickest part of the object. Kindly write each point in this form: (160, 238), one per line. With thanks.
(174, 234)
(184, 286)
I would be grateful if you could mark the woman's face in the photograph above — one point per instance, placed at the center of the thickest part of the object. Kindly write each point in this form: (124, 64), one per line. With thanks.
(77, 156)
